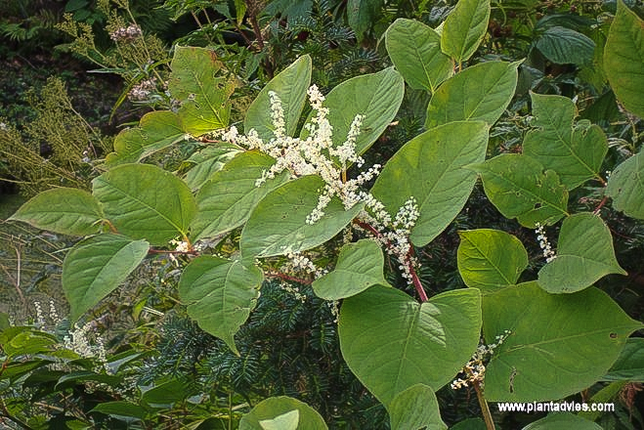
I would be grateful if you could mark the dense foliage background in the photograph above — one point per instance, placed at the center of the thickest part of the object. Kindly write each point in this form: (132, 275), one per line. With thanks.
(76, 72)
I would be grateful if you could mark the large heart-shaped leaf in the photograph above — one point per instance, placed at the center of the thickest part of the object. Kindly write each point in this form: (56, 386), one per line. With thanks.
(62, 210)
(624, 58)
(273, 407)
(359, 267)
(415, 408)
(490, 259)
(626, 186)
(576, 154)
(559, 344)
(95, 267)
(584, 254)
(415, 50)
(220, 295)
(204, 95)
(145, 202)
(291, 86)
(156, 130)
(278, 226)
(375, 96)
(430, 168)
(518, 186)
(226, 201)
(465, 28)
(391, 342)
(478, 93)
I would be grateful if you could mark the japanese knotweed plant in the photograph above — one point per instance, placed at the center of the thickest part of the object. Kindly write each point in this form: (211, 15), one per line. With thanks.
(284, 200)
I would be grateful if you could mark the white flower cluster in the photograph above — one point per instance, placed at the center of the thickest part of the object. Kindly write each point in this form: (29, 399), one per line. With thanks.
(180, 245)
(293, 290)
(474, 370)
(78, 340)
(548, 253)
(313, 155)
(299, 262)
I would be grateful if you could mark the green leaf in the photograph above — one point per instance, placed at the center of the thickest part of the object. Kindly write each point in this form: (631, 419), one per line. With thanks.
(415, 50)
(478, 93)
(120, 410)
(359, 267)
(559, 344)
(226, 201)
(624, 58)
(630, 363)
(391, 342)
(519, 188)
(62, 210)
(220, 295)
(362, 14)
(204, 96)
(145, 202)
(430, 168)
(562, 45)
(626, 186)
(415, 408)
(156, 130)
(607, 394)
(376, 96)
(465, 28)
(166, 393)
(19, 340)
(287, 421)
(490, 259)
(277, 225)
(96, 266)
(290, 86)
(575, 153)
(274, 407)
(209, 160)
(562, 421)
(70, 380)
(584, 255)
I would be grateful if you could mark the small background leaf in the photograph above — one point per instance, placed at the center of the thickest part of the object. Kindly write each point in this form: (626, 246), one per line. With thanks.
(490, 260)
(220, 295)
(465, 28)
(415, 408)
(291, 86)
(584, 255)
(145, 202)
(273, 407)
(359, 266)
(517, 185)
(563, 45)
(204, 95)
(478, 93)
(576, 154)
(630, 363)
(62, 210)
(626, 186)
(95, 267)
(624, 58)
(415, 50)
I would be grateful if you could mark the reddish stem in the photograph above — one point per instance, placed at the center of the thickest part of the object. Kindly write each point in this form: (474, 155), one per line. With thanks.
(600, 205)
(414, 276)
